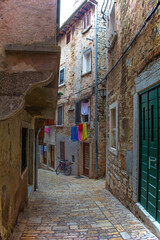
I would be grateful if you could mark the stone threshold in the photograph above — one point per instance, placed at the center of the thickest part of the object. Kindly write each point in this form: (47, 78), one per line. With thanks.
(151, 223)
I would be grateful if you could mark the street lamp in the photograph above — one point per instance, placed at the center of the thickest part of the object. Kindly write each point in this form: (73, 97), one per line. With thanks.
(102, 93)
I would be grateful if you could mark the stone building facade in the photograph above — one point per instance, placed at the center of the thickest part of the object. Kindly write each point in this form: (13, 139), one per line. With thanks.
(132, 161)
(29, 67)
(80, 51)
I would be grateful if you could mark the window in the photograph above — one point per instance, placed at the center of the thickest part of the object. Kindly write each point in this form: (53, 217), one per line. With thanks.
(24, 149)
(112, 22)
(82, 111)
(87, 61)
(61, 77)
(87, 20)
(113, 127)
(60, 115)
(68, 37)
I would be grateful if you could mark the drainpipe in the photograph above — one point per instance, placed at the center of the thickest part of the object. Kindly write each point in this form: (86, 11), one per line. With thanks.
(96, 95)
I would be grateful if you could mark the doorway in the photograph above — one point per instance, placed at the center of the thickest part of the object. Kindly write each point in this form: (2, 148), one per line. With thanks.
(86, 159)
(149, 184)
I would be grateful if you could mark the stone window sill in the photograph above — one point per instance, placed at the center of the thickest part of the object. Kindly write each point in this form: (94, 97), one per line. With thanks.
(84, 74)
(113, 150)
(61, 85)
(87, 29)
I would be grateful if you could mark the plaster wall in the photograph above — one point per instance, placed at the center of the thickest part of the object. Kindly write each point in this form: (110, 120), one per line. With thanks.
(13, 183)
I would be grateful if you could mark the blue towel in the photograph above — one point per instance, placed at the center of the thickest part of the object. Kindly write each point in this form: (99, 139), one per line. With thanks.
(74, 134)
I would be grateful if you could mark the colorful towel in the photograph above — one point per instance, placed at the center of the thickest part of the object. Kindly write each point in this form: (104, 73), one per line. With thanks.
(47, 129)
(84, 131)
(79, 135)
(74, 134)
(80, 127)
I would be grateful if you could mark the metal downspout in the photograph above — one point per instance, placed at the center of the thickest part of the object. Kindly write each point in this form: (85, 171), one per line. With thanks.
(96, 96)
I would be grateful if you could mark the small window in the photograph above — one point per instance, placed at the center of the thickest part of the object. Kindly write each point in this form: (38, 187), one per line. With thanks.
(113, 127)
(61, 77)
(112, 22)
(60, 115)
(24, 150)
(82, 111)
(68, 37)
(87, 20)
(87, 61)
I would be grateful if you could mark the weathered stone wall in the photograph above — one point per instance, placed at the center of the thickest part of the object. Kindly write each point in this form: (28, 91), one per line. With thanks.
(27, 22)
(13, 183)
(130, 15)
(75, 83)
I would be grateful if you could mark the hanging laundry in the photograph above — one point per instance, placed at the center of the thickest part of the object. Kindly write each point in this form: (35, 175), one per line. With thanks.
(84, 108)
(85, 131)
(74, 134)
(47, 129)
(80, 127)
(79, 134)
(82, 136)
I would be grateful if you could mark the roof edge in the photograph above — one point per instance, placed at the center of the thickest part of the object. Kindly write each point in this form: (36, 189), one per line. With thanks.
(94, 2)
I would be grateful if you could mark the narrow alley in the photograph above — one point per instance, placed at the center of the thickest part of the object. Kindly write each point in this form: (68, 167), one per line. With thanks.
(76, 208)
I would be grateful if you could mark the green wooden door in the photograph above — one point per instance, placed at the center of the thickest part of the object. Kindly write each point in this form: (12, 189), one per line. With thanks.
(149, 180)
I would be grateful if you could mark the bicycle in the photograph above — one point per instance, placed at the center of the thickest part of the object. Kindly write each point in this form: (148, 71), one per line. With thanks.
(64, 166)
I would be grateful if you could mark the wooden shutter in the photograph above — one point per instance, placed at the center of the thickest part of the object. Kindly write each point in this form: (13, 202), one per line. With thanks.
(78, 112)
(62, 150)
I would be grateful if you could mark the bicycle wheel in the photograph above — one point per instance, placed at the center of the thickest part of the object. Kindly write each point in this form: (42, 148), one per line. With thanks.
(58, 169)
(67, 170)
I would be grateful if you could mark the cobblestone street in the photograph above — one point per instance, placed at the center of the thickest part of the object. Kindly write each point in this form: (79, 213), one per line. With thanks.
(76, 208)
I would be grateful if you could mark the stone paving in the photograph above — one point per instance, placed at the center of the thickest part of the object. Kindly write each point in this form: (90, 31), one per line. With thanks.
(66, 207)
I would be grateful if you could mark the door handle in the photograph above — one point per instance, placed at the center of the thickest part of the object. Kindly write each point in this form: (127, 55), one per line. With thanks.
(151, 159)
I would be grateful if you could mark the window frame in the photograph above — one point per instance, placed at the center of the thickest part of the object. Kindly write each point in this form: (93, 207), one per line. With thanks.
(61, 84)
(85, 20)
(112, 33)
(111, 107)
(60, 106)
(84, 61)
(80, 116)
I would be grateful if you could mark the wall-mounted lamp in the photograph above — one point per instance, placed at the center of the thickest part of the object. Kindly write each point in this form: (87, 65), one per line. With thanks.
(102, 93)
